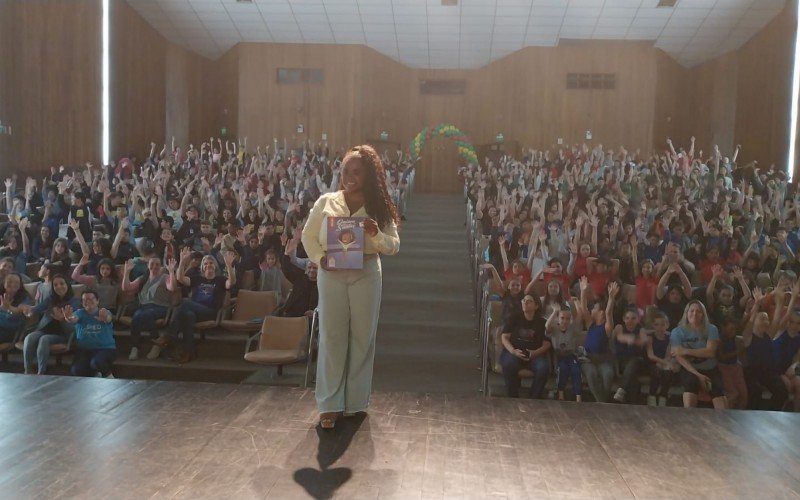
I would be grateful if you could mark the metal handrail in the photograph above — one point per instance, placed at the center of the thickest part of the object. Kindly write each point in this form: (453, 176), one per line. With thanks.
(485, 357)
(310, 347)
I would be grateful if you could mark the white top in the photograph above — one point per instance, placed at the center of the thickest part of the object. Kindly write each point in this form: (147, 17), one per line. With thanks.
(315, 232)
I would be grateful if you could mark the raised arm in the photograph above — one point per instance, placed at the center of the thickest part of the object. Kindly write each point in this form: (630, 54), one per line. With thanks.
(128, 286)
(180, 272)
(712, 285)
(583, 303)
(613, 288)
(77, 273)
(123, 224)
(76, 228)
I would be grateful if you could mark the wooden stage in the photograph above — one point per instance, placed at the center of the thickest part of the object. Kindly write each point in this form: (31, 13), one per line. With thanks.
(70, 437)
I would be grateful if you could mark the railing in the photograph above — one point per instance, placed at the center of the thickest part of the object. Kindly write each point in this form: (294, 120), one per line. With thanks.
(481, 289)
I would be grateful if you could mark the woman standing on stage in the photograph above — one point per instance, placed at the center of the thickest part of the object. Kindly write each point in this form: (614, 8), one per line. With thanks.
(349, 300)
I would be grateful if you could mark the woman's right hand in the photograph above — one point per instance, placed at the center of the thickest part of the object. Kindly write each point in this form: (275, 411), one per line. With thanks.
(520, 354)
(323, 262)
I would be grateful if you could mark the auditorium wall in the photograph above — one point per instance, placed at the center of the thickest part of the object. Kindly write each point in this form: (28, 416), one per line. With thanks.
(51, 83)
(523, 96)
(764, 90)
(742, 97)
(50, 87)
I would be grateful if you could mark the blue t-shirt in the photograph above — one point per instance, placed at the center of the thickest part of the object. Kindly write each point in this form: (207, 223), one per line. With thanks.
(660, 347)
(784, 349)
(208, 292)
(692, 339)
(596, 339)
(759, 352)
(623, 349)
(91, 333)
(13, 322)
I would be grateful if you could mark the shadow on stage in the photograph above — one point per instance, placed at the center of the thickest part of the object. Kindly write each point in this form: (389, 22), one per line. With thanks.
(322, 483)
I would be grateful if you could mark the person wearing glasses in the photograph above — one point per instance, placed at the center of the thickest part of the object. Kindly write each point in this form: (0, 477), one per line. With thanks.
(526, 347)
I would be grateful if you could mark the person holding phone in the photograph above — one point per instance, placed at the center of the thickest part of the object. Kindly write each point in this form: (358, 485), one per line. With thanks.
(349, 299)
(526, 347)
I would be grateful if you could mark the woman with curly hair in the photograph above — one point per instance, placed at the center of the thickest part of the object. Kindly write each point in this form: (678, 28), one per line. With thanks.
(349, 300)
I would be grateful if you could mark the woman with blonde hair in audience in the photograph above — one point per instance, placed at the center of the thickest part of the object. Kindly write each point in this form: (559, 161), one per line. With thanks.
(694, 345)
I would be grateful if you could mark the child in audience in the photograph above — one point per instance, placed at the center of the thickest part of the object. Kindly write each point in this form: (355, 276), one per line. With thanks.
(729, 366)
(628, 342)
(662, 366)
(105, 284)
(563, 332)
(598, 364)
(760, 372)
(96, 348)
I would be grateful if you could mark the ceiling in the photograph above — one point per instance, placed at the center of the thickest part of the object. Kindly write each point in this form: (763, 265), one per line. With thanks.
(426, 34)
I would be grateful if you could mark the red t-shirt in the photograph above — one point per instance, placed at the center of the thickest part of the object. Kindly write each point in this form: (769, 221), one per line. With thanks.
(707, 269)
(599, 283)
(547, 277)
(646, 291)
(580, 268)
(524, 276)
(124, 168)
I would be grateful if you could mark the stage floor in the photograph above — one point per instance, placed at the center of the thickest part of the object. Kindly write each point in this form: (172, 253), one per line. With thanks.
(70, 437)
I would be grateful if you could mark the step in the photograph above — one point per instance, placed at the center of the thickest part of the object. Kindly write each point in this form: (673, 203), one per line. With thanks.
(218, 344)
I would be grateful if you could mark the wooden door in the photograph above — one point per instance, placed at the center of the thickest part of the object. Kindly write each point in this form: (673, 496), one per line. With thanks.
(437, 170)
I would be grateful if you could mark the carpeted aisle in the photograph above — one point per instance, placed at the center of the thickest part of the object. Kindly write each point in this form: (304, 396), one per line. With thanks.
(427, 325)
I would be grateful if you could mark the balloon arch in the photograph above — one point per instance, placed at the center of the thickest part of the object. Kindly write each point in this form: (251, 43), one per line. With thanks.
(465, 148)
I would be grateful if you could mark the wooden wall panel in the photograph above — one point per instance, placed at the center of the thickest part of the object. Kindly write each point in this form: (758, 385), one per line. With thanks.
(6, 71)
(524, 96)
(52, 77)
(138, 83)
(764, 91)
(270, 110)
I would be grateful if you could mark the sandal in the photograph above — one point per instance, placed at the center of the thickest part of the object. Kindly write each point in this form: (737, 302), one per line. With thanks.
(328, 420)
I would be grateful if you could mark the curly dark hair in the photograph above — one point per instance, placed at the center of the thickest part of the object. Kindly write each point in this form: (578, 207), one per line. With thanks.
(377, 201)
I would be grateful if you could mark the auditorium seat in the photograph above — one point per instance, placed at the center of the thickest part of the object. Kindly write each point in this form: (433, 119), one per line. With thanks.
(31, 289)
(5, 348)
(203, 326)
(281, 341)
(248, 280)
(246, 313)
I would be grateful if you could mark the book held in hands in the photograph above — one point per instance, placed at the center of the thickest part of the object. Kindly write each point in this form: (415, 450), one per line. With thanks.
(345, 242)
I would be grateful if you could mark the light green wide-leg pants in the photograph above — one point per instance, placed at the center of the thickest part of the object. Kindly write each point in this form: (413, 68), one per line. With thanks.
(349, 302)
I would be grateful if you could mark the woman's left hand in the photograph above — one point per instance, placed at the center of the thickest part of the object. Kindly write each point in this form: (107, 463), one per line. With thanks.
(371, 227)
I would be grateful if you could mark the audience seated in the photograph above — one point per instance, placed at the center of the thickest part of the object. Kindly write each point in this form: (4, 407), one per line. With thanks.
(230, 216)
(656, 252)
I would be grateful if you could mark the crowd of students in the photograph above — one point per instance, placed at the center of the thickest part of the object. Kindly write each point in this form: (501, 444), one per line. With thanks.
(614, 265)
(190, 222)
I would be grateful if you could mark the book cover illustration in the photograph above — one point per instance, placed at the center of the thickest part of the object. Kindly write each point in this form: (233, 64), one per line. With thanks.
(346, 242)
